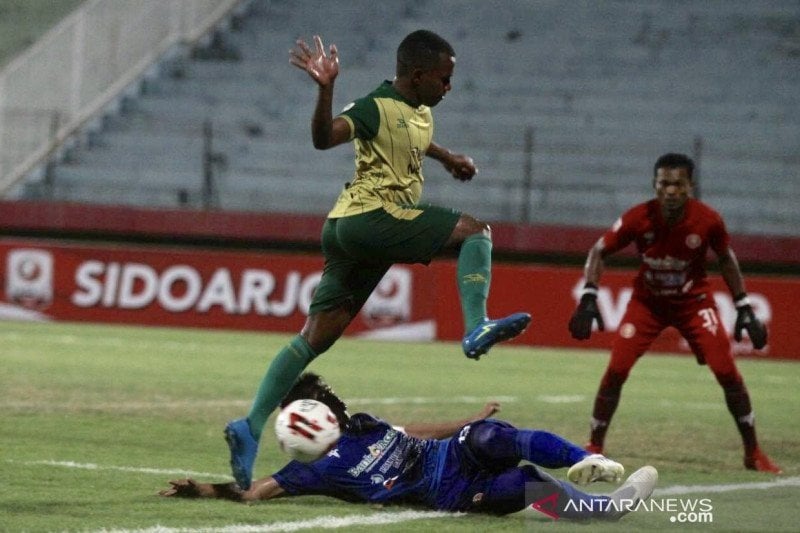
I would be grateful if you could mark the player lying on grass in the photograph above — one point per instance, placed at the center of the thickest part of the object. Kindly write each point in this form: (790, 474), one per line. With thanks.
(475, 468)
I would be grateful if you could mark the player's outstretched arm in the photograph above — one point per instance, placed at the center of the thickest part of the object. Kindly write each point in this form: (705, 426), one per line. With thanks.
(443, 430)
(321, 67)
(326, 132)
(261, 489)
(459, 165)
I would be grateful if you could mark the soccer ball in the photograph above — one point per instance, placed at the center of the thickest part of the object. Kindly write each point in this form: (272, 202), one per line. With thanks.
(306, 429)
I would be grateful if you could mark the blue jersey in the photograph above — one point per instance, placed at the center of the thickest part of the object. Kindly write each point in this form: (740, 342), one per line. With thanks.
(476, 470)
(379, 465)
(383, 464)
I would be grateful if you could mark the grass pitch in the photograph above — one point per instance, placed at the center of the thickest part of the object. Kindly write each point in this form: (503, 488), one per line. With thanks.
(95, 419)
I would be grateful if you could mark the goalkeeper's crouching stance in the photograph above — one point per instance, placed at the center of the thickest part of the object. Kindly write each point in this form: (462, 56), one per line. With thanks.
(469, 465)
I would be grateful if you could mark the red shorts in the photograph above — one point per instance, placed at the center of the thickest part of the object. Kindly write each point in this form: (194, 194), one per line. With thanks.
(697, 320)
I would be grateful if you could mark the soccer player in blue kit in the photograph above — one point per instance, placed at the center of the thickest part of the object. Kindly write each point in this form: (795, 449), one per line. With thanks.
(476, 469)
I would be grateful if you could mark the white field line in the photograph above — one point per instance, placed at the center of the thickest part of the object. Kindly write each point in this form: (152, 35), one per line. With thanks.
(121, 342)
(322, 522)
(680, 490)
(676, 490)
(184, 404)
(407, 400)
(134, 469)
(331, 522)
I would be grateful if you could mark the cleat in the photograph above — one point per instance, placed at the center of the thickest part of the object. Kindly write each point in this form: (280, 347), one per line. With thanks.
(638, 487)
(490, 332)
(759, 461)
(594, 448)
(593, 468)
(244, 448)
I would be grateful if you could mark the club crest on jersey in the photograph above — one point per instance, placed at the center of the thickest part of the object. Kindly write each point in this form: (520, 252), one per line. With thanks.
(693, 240)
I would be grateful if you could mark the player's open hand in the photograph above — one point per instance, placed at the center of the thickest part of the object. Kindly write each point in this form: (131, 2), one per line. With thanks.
(488, 410)
(321, 67)
(182, 488)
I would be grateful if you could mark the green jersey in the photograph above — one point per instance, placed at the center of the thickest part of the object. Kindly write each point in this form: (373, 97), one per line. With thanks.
(390, 138)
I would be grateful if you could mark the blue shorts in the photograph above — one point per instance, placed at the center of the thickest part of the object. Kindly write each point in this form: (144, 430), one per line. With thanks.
(477, 479)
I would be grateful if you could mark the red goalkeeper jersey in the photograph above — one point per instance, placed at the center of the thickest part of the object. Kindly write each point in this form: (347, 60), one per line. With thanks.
(673, 257)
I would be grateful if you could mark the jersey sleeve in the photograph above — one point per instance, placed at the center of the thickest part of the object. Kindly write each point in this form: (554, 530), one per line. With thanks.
(298, 478)
(718, 237)
(363, 117)
(621, 233)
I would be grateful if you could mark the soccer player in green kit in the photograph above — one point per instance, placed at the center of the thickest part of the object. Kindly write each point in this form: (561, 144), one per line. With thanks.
(377, 220)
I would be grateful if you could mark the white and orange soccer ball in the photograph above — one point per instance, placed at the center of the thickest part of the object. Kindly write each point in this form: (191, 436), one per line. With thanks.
(306, 429)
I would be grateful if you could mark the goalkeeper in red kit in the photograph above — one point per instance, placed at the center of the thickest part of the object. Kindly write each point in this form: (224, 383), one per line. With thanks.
(672, 234)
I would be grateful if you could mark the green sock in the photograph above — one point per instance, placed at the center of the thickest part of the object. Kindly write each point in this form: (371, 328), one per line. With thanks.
(281, 375)
(474, 273)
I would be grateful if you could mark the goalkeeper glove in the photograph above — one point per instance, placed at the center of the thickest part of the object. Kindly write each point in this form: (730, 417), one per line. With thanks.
(746, 319)
(580, 325)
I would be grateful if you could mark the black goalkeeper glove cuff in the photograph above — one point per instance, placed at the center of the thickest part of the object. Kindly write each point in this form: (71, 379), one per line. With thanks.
(746, 320)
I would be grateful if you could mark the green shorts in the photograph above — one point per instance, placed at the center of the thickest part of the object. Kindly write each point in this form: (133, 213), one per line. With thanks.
(359, 249)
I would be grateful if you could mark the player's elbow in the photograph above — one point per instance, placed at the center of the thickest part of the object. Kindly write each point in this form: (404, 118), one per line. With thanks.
(321, 144)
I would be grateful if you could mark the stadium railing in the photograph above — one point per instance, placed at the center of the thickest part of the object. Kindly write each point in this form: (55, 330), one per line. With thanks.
(82, 65)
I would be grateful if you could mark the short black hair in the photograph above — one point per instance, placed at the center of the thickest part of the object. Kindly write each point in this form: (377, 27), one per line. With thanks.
(310, 386)
(421, 49)
(674, 160)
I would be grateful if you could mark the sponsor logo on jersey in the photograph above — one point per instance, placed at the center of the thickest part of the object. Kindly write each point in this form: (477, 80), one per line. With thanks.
(665, 263)
(693, 240)
(375, 451)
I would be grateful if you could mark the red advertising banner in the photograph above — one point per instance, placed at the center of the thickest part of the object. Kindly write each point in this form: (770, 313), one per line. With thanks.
(180, 287)
(550, 294)
(166, 286)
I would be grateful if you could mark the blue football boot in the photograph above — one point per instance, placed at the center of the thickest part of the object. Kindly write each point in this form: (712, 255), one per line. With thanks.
(244, 448)
(489, 332)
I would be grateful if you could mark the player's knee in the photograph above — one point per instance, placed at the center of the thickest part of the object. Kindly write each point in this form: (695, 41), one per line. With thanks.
(322, 330)
(493, 442)
(473, 226)
(508, 491)
(483, 229)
